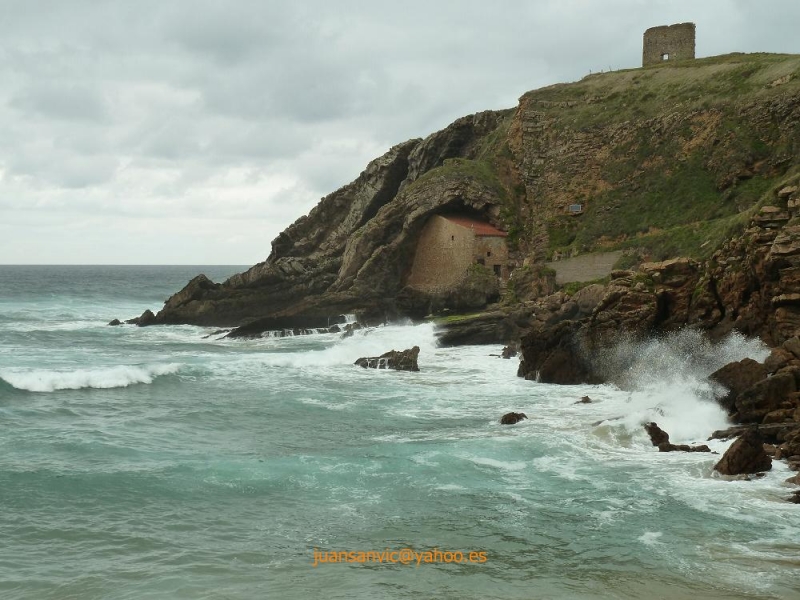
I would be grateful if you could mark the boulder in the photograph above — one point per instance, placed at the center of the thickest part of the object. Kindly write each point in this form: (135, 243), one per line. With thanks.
(509, 351)
(584, 400)
(753, 404)
(736, 377)
(657, 435)
(745, 456)
(115, 322)
(660, 438)
(143, 320)
(512, 418)
(405, 360)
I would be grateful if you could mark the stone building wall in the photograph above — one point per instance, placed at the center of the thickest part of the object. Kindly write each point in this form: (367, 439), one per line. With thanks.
(444, 252)
(493, 253)
(668, 42)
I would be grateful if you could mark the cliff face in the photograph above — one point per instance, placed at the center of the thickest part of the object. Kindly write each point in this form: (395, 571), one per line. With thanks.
(352, 251)
(666, 161)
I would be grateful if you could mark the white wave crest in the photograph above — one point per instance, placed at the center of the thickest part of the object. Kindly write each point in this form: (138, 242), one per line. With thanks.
(101, 378)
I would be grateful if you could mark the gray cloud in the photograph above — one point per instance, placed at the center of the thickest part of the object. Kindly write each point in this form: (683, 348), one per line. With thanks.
(196, 131)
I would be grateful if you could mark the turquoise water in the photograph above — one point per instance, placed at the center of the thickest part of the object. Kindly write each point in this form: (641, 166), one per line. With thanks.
(161, 463)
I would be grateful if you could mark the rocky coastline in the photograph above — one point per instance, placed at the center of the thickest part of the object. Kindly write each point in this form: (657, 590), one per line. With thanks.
(690, 171)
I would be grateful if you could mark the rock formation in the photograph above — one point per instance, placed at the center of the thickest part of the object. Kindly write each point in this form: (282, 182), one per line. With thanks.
(512, 418)
(745, 456)
(405, 360)
(611, 141)
(660, 438)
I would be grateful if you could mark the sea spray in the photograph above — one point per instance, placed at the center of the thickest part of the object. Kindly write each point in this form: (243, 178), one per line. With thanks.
(666, 378)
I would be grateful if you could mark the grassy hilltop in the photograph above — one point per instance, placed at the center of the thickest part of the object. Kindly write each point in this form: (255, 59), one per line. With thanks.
(666, 160)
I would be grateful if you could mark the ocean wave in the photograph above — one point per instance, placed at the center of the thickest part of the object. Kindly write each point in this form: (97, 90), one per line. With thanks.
(43, 380)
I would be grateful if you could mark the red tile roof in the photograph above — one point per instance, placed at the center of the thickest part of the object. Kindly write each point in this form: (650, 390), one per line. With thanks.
(480, 228)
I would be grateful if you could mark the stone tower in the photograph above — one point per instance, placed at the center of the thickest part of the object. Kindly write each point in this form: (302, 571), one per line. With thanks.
(668, 42)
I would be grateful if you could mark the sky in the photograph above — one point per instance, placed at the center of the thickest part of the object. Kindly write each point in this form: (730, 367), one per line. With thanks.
(193, 132)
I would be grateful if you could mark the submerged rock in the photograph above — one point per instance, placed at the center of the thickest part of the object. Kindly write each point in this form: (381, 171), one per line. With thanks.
(405, 360)
(512, 418)
(746, 455)
(584, 400)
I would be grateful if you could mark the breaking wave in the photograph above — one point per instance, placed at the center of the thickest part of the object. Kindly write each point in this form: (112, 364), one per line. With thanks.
(42, 380)
(667, 380)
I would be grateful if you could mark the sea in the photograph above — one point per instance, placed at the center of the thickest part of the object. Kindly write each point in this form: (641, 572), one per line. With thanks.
(169, 462)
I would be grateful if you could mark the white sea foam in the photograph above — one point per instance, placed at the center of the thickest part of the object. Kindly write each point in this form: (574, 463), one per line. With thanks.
(650, 538)
(667, 381)
(42, 380)
(363, 343)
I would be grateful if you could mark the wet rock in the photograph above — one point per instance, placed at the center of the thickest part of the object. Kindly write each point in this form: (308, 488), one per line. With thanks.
(554, 355)
(660, 438)
(512, 418)
(145, 319)
(794, 479)
(584, 400)
(350, 329)
(405, 360)
(736, 377)
(509, 351)
(745, 456)
(115, 322)
(657, 435)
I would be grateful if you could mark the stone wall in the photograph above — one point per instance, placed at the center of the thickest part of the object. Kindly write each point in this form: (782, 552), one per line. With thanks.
(493, 253)
(584, 267)
(444, 252)
(668, 42)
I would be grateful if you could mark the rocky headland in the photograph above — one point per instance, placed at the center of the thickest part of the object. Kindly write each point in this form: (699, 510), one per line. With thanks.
(690, 171)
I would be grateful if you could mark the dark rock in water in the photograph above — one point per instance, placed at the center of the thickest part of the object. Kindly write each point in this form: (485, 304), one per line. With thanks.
(115, 322)
(794, 498)
(553, 355)
(145, 319)
(657, 435)
(683, 448)
(660, 438)
(334, 329)
(746, 455)
(216, 332)
(509, 351)
(584, 400)
(350, 328)
(512, 418)
(405, 360)
(737, 377)
(297, 325)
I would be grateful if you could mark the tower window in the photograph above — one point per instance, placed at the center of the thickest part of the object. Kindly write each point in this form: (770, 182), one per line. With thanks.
(488, 253)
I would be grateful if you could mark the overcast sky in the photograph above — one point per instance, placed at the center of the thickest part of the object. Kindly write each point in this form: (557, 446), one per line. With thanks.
(193, 132)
